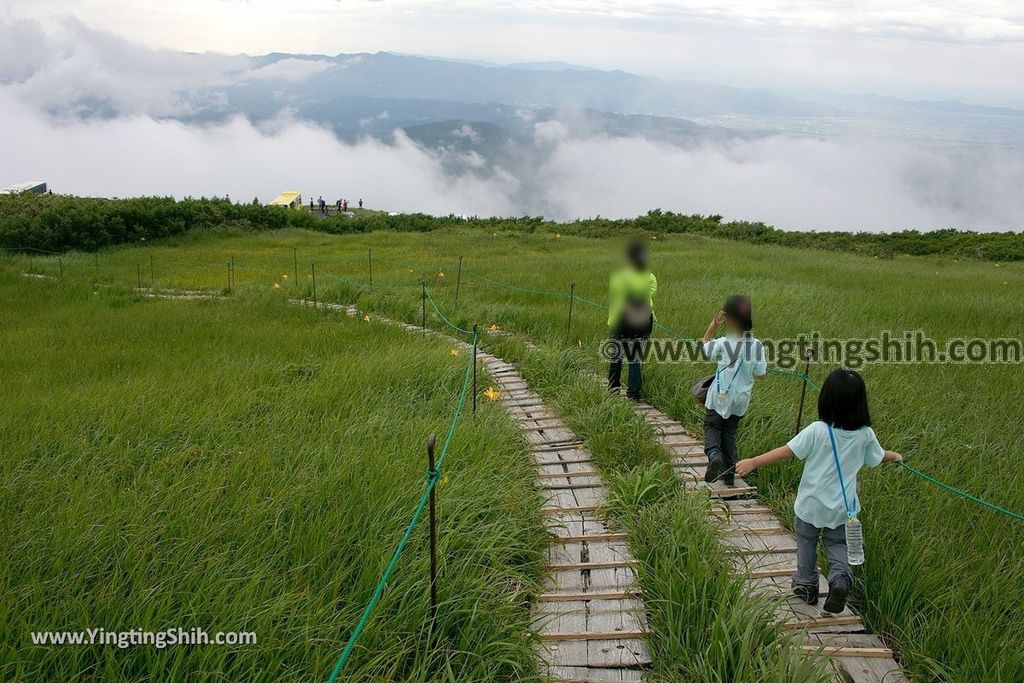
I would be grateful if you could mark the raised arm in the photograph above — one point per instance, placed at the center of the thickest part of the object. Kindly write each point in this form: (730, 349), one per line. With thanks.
(713, 325)
(745, 467)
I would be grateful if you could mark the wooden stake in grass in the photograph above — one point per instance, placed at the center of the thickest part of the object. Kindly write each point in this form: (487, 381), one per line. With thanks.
(312, 269)
(803, 389)
(572, 298)
(458, 282)
(474, 368)
(432, 473)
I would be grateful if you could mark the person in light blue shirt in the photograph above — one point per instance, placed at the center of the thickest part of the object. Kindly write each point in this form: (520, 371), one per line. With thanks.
(740, 360)
(822, 507)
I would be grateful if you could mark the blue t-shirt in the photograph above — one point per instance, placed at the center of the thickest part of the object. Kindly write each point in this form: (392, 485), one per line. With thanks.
(819, 500)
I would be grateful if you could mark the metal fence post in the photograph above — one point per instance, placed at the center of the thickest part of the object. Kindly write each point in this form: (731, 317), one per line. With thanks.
(60, 262)
(432, 474)
(474, 368)
(458, 282)
(138, 274)
(423, 306)
(229, 277)
(312, 267)
(295, 262)
(803, 389)
(232, 272)
(369, 258)
(152, 273)
(572, 298)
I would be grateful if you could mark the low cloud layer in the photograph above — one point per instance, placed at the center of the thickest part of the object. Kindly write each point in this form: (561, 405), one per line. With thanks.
(131, 144)
(792, 183)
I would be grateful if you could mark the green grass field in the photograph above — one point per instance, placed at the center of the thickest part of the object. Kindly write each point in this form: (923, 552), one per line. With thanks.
(942, 580)
(248, 466)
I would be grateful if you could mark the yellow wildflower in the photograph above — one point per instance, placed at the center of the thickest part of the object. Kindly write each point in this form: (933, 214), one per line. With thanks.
(454, 352)
(492, 394)
(277, 286)
(366, 318)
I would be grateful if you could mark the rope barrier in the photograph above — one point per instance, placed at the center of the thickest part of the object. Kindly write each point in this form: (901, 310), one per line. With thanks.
(517, 288)
(361, 285)
(962, 494)
(442, 315)
(432, 479)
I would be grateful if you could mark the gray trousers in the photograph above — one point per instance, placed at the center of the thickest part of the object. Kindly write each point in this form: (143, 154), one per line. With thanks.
(807, 553)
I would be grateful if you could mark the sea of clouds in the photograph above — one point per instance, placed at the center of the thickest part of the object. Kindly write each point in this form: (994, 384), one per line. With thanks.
(139, 146)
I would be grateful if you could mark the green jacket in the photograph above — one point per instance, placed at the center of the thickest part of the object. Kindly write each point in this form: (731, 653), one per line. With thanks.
(629, 283)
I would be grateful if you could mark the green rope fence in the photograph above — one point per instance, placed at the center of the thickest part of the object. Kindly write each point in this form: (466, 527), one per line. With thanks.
(432, 479)
(434, 476)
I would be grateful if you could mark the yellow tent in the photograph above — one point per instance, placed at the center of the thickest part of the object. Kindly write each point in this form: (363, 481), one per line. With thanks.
(289, 199)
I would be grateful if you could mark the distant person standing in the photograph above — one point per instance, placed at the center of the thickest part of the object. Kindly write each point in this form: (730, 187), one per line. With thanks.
(344, 205)
(311, 203)
(630, 318)
(360, 202)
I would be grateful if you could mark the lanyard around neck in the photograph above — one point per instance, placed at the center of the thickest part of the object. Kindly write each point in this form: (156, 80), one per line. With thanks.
(718, 376)
(835, 455)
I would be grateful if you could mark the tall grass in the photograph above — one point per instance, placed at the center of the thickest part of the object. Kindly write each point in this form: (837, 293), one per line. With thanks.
(942, 575)
(704, 624)
(248, 466)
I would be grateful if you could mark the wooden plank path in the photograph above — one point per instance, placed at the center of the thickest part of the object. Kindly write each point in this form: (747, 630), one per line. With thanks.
(590, 615)
(765, 553)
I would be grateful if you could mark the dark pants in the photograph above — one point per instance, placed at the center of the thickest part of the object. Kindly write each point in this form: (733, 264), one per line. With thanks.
(834, 540)
(720, 435)
(632, 341)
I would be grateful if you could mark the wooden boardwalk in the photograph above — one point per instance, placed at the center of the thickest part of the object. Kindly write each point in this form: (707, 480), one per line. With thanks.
(765, 553)
(590, 616)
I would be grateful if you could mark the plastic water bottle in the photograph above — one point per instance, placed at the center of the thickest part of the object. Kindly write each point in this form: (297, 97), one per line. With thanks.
(854, 541)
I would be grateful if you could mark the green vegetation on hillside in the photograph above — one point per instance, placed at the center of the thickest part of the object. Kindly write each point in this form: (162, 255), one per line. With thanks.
(942, 574)
(248, 466)
(60, 223)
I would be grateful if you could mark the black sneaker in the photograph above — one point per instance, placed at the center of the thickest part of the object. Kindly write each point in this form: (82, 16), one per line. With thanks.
(715, 467)
(837, 592)
(809, 594)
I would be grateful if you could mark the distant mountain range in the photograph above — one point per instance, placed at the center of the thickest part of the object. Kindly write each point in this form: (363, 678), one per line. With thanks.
(433, 99)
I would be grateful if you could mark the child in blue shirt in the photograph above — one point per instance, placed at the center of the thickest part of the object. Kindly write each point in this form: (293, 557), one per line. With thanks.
(740, 360)
(820, 506)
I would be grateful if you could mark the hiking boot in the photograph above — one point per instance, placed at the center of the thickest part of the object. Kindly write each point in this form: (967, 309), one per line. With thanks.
(729, 479)
(809, 594)
(838, 589)
(715, 467)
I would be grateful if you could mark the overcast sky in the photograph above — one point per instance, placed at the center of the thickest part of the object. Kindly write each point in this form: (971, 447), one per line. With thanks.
(972, 50)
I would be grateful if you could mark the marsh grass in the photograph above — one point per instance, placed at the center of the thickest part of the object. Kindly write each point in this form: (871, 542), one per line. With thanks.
(942, 577)
(247, 465)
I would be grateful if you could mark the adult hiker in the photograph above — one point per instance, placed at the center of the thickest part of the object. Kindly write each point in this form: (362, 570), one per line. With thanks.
(630, 318)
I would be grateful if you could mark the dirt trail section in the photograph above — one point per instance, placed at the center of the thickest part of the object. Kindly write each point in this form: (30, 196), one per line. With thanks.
(591, 615)
(766, 553)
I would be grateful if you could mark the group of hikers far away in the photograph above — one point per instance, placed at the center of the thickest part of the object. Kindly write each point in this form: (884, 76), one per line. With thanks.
(833, 449)
(321, 205)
